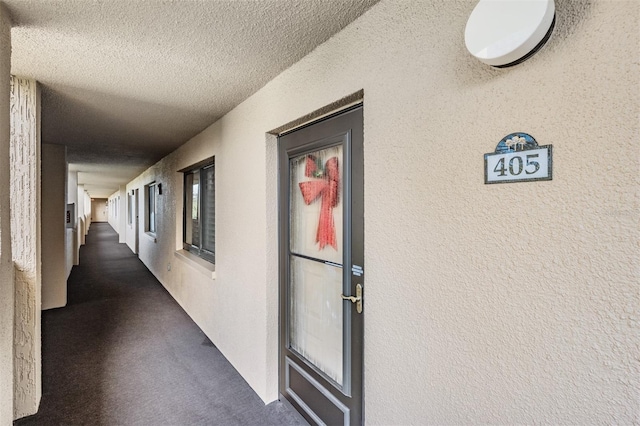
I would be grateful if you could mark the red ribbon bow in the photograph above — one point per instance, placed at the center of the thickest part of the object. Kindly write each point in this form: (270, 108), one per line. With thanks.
(327, 188)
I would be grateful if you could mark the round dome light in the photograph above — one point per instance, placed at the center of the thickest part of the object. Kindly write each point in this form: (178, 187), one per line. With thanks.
(503, 33)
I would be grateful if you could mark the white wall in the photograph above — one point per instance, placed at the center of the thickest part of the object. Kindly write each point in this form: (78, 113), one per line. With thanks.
(54, 185)
(100, 210)
(111, 211)
(513, 303)
(26, 243)
(137, 218)
(84, 214)
(117, 212)
(6, 261)
(88, 206)
(122, 215)
(72, 233)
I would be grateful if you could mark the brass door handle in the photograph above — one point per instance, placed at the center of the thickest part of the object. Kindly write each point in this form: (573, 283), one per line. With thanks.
(357, 299)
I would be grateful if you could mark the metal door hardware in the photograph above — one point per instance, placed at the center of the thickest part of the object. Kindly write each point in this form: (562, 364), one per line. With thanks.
(357, 299)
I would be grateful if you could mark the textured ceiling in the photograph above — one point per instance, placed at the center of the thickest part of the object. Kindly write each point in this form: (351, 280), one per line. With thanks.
(125, 82)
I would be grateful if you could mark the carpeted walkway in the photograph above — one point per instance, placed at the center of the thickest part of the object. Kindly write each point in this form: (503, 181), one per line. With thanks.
(123, 352)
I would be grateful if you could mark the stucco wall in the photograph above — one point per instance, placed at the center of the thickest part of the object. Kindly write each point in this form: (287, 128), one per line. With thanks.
(122, 214)
(26, 243)
(6, 262)
(71, 244)
(87, 208)
(54, 184)
(82, 222)
(131, 228)
(100, 210)
(112, 218)
(186, 281)
(117, 209)
(514, 303)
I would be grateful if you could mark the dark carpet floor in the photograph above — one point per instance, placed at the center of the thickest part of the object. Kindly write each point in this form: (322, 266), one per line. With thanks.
(123, 352)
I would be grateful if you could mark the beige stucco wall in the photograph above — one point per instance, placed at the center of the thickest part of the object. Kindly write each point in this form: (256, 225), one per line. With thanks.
(71, 243)
(100, 210)
(6, 261)
(54, 184)
(122, 214)
(82, 222)
(26, 243)
(514, 303)
(87, 209)
(111, 211)
(117, 209)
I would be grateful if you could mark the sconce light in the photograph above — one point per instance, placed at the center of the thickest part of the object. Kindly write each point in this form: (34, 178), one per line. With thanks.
(503, 33)
(159, 189)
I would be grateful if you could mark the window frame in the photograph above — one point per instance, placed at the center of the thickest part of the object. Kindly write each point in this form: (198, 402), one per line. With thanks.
(129, 209)
(151, 192)
(198, 168)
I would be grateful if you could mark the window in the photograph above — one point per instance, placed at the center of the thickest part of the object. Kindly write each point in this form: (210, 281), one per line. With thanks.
(199, 210)
(129, 209)
(151, 207)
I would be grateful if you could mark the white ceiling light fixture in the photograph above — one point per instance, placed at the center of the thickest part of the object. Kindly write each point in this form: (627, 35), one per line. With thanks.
(504, 33)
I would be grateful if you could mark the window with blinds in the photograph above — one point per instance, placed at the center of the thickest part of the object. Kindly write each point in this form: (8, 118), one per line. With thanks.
(151, 208)
(129, 209)
(200, 210)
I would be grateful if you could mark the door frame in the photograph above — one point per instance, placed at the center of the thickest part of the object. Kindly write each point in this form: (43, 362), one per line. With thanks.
(136, 204)
(353, 266)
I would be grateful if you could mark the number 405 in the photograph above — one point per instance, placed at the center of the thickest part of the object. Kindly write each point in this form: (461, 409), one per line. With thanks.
(532, 164)
(517, 165)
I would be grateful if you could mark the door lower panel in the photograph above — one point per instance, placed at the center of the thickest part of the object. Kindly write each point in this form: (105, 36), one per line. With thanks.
(320, 403)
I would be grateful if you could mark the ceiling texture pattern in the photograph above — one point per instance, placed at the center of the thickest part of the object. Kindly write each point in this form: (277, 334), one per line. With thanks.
(125, 82)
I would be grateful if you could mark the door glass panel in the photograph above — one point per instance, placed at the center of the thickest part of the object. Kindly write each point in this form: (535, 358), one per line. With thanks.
(316, 204)
(315, 329)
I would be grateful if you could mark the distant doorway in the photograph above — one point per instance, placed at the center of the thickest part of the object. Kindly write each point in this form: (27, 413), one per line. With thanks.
(99, 210)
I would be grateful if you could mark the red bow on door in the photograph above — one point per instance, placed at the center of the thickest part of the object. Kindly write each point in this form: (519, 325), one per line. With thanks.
(327, 188)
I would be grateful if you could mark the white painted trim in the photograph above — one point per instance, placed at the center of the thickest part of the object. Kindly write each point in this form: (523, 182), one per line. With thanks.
(208, 269)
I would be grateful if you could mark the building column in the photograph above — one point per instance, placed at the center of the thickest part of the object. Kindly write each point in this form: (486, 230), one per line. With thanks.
(6, 259)
(54, 207)
(25, 243)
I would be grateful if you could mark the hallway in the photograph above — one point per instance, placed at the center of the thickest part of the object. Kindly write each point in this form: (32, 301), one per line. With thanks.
(124, 352)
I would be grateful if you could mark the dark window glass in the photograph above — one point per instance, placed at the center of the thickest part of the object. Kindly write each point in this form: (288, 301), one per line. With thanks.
(199, 211)
(151, 197)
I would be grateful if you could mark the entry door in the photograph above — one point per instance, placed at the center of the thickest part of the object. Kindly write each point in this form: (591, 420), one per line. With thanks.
(322, 269)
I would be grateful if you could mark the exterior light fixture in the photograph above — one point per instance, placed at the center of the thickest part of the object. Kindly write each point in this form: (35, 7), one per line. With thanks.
(504, 33)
